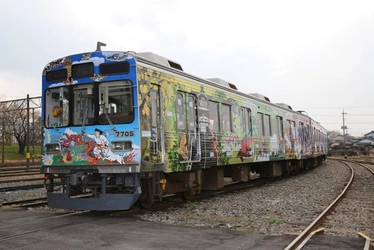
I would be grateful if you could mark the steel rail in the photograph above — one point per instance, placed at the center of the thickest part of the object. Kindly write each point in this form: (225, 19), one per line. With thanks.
(27, 203)
(299, 241)
(21, 180)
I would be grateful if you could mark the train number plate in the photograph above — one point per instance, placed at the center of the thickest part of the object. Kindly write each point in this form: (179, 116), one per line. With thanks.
(129, 133)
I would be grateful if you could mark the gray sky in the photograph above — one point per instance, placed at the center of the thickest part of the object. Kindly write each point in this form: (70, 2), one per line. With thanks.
(316, 56)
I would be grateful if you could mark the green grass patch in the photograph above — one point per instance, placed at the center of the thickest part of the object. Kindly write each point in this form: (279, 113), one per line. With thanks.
(11, 154)
(193, 205)
(275, 221)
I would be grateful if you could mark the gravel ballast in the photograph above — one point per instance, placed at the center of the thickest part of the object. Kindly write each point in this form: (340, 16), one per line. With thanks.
(285, 206)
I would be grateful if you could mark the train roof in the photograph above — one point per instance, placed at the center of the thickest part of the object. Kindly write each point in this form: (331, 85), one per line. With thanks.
(160, 60)
(172, 65)
(223, 83)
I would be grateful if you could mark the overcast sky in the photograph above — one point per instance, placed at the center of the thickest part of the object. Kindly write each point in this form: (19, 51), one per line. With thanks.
(316, 56)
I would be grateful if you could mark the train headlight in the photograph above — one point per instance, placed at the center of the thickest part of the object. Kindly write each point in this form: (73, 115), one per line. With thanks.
(56, 111)
(121, 145)
(53, 147)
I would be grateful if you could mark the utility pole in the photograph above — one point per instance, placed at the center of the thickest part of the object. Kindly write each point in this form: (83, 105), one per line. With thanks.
(28, 133)
(344, 127)
(3, 138)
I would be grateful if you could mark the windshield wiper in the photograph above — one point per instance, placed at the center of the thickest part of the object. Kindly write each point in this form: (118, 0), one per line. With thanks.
(84, 114)
(105, 110)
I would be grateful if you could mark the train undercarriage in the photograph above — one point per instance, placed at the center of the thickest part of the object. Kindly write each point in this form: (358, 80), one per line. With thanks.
(95, 190)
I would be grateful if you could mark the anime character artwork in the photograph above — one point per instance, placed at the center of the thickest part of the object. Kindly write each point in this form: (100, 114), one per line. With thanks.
(88, 149)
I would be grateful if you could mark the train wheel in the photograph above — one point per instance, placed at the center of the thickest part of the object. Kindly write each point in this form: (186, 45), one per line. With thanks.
(146, 199)
(186, 195)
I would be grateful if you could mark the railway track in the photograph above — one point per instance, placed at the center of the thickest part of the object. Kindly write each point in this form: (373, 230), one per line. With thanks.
(19, 173)
(338, 218)
(19, 168)
(16, 175)
(21, 187)
(26, 202)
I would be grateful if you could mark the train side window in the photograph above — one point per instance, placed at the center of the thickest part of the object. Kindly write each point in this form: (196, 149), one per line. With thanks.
(267, 125)
(242, 120)
(181, 120)
(307, 135)
(191, 113)
(260, 123)
(226, 118)
(279, 126)
(293, 129)
(213, 115)
(246, 121)
(301, 131)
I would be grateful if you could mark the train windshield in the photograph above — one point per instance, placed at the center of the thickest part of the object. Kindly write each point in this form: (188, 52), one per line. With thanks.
(116, 104)
(57, 107)
(87, 104)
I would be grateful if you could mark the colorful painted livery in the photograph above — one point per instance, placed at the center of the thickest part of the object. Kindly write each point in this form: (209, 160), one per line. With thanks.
(126, 127)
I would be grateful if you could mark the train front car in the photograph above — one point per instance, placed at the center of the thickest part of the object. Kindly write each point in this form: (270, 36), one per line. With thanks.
(91, 150)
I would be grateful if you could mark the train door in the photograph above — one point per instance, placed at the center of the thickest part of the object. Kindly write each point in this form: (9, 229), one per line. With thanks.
(301, 137)
(193, 130)
(188, 131)
(157, 151)
(290, 146)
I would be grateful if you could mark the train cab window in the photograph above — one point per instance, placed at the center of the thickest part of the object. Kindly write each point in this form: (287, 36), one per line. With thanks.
(116, 102)
(226, 118)
(213, 115)
(56, 107)
(84, 105)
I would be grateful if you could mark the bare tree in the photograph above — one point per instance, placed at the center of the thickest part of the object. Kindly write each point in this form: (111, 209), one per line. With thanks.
(20, 121)
(17, 125)
(331, 135)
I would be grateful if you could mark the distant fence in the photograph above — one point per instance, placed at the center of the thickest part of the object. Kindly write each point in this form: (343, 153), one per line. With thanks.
(19, 125)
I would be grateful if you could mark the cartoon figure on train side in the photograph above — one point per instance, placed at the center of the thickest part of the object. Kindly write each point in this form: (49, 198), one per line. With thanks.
(101, 149)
